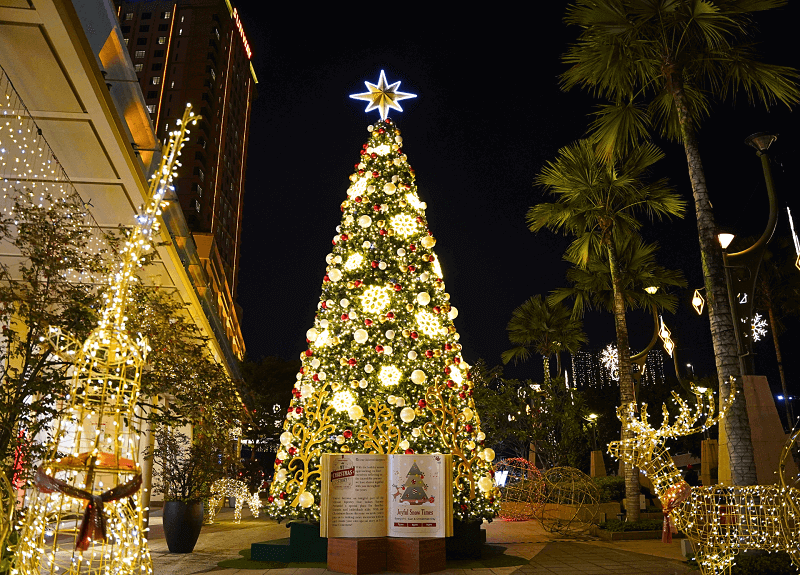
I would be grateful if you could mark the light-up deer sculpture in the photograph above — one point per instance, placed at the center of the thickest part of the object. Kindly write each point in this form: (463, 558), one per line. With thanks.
(85, 514)
(720, 521)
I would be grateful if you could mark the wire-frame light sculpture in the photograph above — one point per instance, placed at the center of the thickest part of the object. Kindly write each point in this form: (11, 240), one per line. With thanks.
(85, 514)
(720, 521)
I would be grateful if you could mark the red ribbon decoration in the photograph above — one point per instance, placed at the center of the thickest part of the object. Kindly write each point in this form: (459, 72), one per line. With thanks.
(674, 496)
(93, 526)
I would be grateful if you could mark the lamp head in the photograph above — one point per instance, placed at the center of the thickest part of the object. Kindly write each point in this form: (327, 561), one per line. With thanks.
(761, 141)
(725, 239)
(651, 289)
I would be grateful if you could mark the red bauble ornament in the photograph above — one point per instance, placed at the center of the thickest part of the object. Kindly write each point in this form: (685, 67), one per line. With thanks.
(309, 353)
(414, 335)
(344, 237)
(298, 410)
(375, 174)
(333, 242)
(362, 152)
(356, 166)
(373, 155)
(345, 317)
(390, 315)
(379, 348)
(368, 322)
(283, 495)
(437, 309)
(447, 370)
(462, 395)
(412, 247)
(428, 353)
(468, 428)
(357, 283)
(357, 199)
(419, 219)
(463, 507)
(450, 383)
(326, 279)
(376, 207)
(398, 287)
(315, 377)
(448, 347)
(422, 403)
(347, 433)
(278, 462)
(409, 451)
(374, 264)
(360, 172)
(352, 361)
(324, 304)
(456, 360)
(270, 499)
(381, 130)
(382, 232)
(365, 146)
(292, 450)
(388, 120)
(291, 409)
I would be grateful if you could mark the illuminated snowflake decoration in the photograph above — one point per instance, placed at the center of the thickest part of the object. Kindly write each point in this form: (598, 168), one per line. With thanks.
(428, 323)
(403, 225)
(609, 358)
(375, 299)
(342, 401)
(413, 199)
(389, 375)
(759, 326)
(353, 262)
(437, 269)
(358, 188)
(381, 150)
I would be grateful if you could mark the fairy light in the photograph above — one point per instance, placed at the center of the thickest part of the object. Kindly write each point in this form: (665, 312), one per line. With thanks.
(396, 352)
(97, 428)
(720, 521)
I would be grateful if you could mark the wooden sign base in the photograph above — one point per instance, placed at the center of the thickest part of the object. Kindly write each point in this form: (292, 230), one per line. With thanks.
(364, 555)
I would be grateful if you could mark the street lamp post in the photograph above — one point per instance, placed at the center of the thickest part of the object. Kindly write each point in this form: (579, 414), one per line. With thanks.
(741, 268)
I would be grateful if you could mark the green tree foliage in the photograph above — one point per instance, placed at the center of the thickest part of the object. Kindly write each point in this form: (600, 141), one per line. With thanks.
(267, 387)
(658, 66)
(602, 204)
(37, 291)
(547, 329)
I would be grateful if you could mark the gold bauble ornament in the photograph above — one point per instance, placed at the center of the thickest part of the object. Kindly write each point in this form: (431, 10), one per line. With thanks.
(409, 307)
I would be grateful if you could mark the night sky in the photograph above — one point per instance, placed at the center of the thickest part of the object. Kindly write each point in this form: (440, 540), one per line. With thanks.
(488, 115)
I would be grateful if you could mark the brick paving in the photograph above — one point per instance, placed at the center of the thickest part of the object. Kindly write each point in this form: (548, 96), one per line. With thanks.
(542, 553)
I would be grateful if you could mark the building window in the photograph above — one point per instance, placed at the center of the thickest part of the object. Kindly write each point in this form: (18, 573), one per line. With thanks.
(182, 18)
(151, 94)
(156, 80)
(215, 31)
(180, 32)
(199, 173)
(213, 74)
(126, 40)
(139, 54)
(141, 42)
(200, 191)
(151, 108)
(197, 206)
(138, 67)
(158, 54)
(162, 39)
(147, 15)
(129, 16)
(163, 27)
(172, 84)
(157, 67)
(126, 29)
(144, 28)
(166, 15)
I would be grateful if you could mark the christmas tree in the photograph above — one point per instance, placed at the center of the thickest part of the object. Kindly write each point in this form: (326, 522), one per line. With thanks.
(414, 487)
(383, 372)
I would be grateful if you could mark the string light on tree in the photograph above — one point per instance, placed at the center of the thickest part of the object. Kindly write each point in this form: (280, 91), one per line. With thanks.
(387, 376)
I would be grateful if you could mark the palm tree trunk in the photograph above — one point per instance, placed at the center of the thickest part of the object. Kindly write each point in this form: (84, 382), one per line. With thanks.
(626, 386)
(546, 362)
(737, 425)
(786, 403)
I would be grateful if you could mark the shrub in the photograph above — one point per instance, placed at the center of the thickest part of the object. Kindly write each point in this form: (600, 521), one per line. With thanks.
(621, 526)
(611, 488)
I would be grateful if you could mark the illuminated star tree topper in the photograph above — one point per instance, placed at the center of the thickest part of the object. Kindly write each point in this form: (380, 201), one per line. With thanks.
(383, 96)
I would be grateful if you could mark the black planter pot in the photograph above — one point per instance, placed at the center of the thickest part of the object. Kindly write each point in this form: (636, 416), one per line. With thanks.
(182, 524)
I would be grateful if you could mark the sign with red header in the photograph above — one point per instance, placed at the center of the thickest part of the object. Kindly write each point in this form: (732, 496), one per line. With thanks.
(241, 33)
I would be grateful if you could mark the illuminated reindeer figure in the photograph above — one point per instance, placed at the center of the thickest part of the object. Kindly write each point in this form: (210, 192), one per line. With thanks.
(85, 515)
(720, 521)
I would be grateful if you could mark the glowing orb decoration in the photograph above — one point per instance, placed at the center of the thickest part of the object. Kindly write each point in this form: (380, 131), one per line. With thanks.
(365, 222)
(423, 298)
(389, 375)
(360, 335)
(521, 487)
(428, 242)
(343, 401)
(570, 501)
(403, 225)
(353, 262)
(485, 484)
(375, 299)
(355, 412)
(306, 499)
(418, 376)
(407, 414)
(383, 96)
(428, 323)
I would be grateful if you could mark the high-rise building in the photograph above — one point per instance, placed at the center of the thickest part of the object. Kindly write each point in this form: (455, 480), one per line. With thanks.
(197, 51)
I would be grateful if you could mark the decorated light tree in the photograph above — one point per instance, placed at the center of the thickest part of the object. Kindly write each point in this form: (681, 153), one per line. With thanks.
(383, 372)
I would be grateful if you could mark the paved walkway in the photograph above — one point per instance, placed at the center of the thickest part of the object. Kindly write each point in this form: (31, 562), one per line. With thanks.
(541, 552)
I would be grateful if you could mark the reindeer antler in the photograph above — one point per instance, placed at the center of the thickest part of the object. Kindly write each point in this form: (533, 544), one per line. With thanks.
(686, 419)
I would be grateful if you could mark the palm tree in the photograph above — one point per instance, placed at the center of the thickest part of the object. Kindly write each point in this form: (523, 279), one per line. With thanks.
(675, 55)
(778, 290)
(545, 328)
(600, 203)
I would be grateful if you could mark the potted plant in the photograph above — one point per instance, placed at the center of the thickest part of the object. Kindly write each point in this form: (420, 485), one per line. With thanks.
(185, 471)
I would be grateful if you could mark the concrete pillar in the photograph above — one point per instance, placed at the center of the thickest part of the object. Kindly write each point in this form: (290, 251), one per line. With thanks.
(598, 466)
(709, 461)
